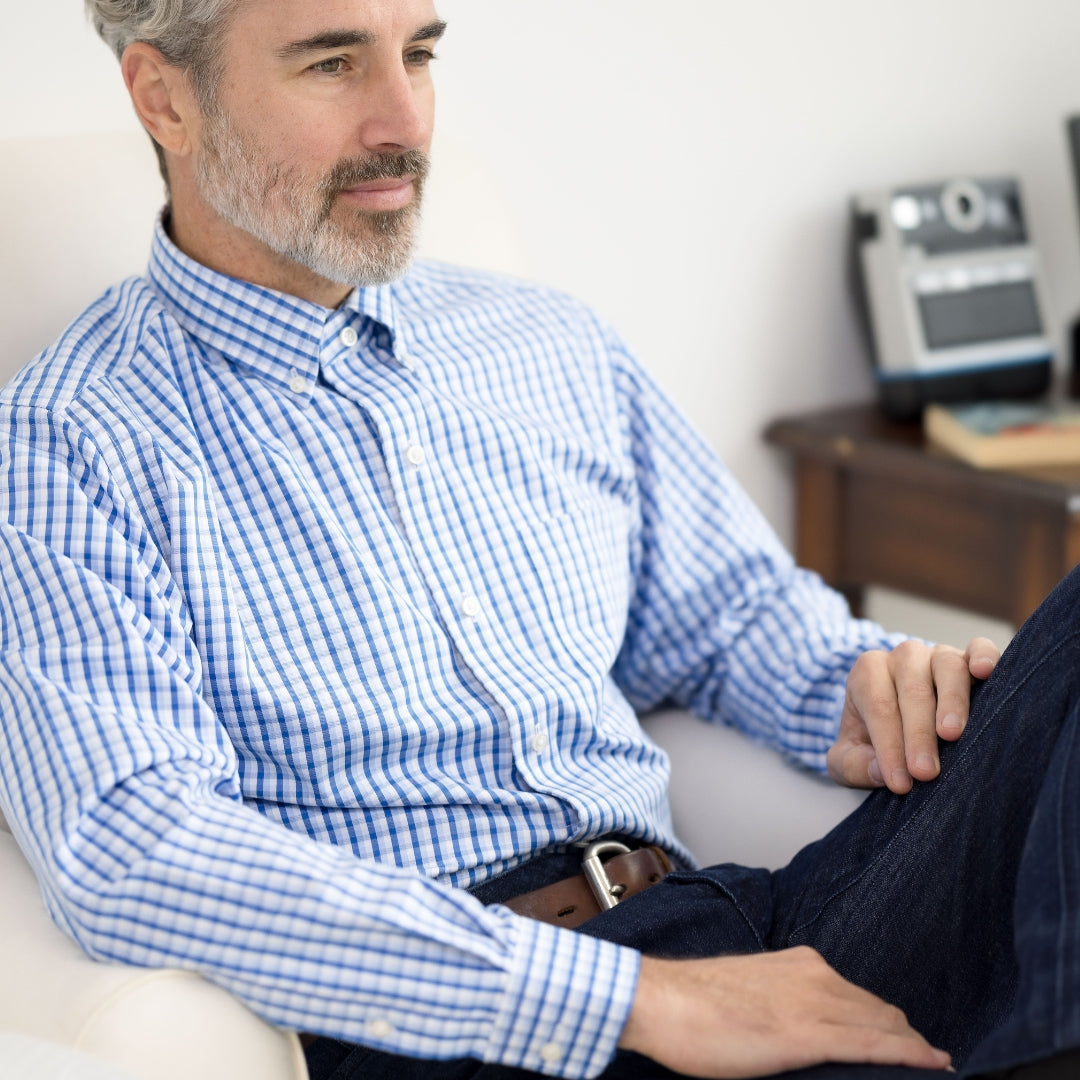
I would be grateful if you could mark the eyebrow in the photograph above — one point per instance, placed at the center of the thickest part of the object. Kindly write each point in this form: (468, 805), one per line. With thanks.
(344, 39)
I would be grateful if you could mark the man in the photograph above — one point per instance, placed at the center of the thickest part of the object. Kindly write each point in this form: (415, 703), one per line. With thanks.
(329, 593)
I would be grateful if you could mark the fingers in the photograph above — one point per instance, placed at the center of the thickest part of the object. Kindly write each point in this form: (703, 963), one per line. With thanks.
(879, 1048)
(898, 705)
(866, 1030)
(982, 656)
(853, 763)
(890, 708)
(766, 1013)
(952, 673)
(912, 665)
(851, 1024)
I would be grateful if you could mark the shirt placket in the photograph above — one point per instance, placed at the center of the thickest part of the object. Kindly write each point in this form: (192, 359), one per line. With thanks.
(456, 568)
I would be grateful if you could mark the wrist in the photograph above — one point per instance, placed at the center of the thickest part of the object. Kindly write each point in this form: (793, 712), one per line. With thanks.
(646, 1007)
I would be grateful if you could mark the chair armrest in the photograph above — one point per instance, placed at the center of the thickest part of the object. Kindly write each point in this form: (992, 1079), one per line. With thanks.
(158, 1024)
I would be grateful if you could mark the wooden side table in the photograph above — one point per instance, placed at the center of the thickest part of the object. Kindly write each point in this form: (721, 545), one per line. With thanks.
(877, 505)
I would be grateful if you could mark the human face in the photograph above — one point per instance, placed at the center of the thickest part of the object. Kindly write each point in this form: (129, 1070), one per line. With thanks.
(315, 145)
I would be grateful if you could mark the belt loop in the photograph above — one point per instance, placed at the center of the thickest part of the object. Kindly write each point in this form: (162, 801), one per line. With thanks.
(607, 895)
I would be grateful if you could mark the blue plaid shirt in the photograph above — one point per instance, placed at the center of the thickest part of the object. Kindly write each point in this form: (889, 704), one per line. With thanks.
(312, 618)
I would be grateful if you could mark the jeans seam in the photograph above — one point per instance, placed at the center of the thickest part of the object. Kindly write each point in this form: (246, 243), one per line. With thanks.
(689, 876)
(346, 1068)
(934, 795)
(1062, 943)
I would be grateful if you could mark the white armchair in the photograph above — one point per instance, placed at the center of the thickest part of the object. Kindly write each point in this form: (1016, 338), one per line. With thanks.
(155, 1024)
(64, 243)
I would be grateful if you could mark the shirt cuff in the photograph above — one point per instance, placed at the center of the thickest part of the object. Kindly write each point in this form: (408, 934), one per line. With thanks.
(565, 1004)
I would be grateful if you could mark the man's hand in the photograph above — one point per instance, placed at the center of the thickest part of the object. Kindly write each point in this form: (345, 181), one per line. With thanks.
(743, 1016)
(897, 705)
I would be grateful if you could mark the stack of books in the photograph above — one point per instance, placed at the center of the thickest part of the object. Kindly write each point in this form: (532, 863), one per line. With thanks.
(1007, 434)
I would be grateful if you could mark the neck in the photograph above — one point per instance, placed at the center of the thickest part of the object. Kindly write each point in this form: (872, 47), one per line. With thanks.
(204, 236)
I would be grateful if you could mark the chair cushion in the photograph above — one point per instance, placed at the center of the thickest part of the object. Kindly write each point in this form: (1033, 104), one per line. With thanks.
(159, 1024)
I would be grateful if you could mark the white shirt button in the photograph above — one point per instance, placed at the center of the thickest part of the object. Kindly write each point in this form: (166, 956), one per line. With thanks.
(550, 1053)
(406, 361)
(539, 742)
(298, 384)
(470, 606)
(380, 1029)
(415, 455)
(348, 337)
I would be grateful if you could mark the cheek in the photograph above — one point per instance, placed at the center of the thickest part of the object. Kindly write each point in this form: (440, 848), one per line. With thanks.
(317, 142)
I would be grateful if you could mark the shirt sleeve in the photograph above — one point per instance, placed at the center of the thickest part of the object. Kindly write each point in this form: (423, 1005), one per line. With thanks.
(722, 622)
(125, 793)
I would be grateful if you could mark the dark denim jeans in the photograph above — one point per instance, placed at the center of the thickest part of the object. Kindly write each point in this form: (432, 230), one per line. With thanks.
(959, 902)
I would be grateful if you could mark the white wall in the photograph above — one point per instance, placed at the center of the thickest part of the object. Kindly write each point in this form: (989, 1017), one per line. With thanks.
(685, 166)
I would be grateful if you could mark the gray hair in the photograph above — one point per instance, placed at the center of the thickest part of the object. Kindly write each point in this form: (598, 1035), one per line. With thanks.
(189, 34)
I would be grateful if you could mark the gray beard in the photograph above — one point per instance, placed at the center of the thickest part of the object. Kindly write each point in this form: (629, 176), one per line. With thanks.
(292, 214)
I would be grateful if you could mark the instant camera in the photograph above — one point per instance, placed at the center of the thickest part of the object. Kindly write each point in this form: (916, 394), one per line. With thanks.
(950, 292)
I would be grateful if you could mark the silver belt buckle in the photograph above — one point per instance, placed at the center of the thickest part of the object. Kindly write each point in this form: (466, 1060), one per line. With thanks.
(607, 895)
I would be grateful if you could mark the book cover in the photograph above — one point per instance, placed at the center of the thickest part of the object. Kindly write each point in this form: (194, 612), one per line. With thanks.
(1007, 434)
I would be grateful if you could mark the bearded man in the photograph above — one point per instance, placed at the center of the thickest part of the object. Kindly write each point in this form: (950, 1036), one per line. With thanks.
(332, 583)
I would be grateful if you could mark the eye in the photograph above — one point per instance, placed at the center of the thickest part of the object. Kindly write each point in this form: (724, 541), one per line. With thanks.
(419, 57)
(334, 66)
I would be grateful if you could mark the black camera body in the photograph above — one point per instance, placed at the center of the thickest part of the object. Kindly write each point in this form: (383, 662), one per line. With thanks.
(950, 289)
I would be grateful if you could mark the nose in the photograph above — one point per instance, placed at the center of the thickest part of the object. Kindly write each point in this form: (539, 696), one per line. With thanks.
(398, 109)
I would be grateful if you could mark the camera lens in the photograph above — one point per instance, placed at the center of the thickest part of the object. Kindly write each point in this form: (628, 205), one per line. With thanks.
(964, 205)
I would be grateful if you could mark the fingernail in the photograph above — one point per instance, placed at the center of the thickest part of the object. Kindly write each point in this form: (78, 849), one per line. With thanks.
(900, 778)
(952, 724)
(927, 762)
(874, 769)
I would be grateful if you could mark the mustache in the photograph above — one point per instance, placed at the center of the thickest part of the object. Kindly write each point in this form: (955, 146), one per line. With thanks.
(352, 171)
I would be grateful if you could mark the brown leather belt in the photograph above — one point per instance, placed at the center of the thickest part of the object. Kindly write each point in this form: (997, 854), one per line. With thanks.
(601, 885)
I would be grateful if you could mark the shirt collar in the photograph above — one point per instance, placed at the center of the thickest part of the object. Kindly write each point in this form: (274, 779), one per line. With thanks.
(283, 338)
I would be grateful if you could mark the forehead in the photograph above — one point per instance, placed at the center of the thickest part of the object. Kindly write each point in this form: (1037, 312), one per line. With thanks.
(258, 26)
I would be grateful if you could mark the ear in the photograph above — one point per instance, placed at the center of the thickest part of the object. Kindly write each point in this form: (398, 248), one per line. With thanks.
(162, 97)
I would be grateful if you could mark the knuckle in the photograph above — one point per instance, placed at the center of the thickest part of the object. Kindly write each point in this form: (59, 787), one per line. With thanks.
(882, 703)
(869, 1041)
(869, 662)
(918, 693)
(837, 765)
(842, 765)
(895, 1018)
(854, 774)
(911, 650)
(865, 1037)
(948, 656)
(871, 656)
